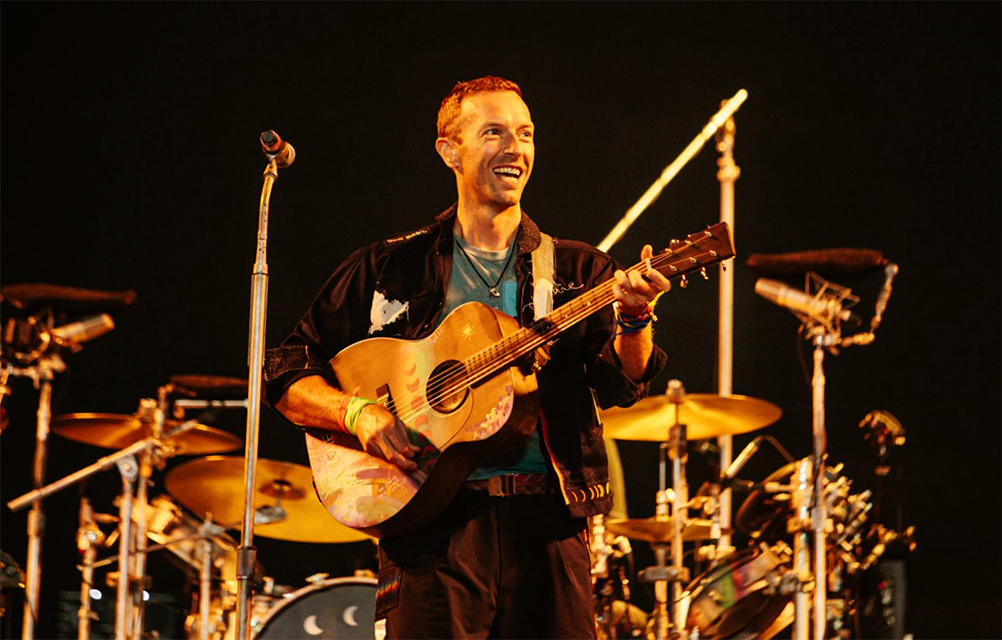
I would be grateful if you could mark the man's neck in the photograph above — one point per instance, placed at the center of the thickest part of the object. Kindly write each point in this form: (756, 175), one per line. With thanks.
(487, 228)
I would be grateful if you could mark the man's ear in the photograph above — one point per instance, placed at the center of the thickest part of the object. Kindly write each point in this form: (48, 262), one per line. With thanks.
(446, 149)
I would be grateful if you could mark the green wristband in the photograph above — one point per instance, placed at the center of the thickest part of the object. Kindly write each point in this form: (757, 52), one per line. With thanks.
(355, 406)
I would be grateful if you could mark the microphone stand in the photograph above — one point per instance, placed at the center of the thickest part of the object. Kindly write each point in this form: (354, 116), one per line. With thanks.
(820, 513)
(42, 374)
(727, 175)
(247, 554)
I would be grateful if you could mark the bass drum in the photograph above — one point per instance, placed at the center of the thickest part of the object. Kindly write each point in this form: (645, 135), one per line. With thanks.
(739, 599)
(337, 608)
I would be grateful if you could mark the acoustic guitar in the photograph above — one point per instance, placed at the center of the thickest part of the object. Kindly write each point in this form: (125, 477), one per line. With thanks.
(466, 393)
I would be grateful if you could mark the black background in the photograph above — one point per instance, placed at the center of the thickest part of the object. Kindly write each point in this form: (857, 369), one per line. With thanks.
(130, 161)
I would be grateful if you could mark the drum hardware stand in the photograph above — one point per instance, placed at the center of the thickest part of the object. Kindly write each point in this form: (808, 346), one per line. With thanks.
(661, 573)
(89, 538)
(207, 532)
(125, 461)
(147, 459)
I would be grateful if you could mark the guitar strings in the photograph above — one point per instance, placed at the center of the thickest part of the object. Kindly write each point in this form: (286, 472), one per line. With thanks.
(519, 344)
(486, 362)
(525, 341)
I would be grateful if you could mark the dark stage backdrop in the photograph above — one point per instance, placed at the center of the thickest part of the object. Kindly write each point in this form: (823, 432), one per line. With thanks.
(130, 161)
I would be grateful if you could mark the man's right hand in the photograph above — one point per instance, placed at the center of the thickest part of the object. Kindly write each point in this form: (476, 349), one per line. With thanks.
(312, 402)
(383, 436)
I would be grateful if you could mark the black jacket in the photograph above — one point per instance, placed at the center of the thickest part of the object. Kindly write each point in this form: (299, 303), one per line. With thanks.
(396, 288)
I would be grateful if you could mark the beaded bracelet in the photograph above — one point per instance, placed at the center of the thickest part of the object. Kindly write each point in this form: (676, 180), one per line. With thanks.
(342, 408)
(633, 323)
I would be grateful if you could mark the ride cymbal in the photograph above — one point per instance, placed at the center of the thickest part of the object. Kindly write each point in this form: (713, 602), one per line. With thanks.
(705, 415)
(118, 431)
(284, 490)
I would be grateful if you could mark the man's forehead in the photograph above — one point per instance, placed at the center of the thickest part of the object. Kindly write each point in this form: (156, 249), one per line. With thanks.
(489, 104)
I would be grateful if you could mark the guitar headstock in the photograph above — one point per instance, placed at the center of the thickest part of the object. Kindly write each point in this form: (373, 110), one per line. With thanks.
(695, 253)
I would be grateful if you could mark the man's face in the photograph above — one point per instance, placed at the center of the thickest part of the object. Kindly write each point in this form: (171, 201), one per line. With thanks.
(497, 150)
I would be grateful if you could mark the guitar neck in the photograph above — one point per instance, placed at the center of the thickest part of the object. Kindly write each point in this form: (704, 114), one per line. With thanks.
(693, 254)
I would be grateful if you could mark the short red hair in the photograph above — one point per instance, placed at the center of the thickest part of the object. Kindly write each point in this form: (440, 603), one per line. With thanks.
(448, 113)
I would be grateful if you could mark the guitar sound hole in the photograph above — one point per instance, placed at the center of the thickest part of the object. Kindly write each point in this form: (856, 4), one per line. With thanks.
(446, 389)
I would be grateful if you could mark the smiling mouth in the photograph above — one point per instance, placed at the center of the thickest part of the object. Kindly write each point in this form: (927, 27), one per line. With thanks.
(513, 173)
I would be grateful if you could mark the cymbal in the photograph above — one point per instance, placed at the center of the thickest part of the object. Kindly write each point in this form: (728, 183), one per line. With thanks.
(118, 431)
(652, 530)
(215, 485)
(705, 415)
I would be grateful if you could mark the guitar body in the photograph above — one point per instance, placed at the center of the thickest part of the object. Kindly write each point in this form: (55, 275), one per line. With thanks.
(457, 425)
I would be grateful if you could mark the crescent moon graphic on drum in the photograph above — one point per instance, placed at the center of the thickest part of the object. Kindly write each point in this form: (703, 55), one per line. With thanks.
(349, 616)
(310, 626)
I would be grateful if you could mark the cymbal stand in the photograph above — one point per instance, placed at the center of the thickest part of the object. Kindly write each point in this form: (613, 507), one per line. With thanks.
(128, 468)
(661, 574)
(207, 531)
(156, 412)
(89, 538)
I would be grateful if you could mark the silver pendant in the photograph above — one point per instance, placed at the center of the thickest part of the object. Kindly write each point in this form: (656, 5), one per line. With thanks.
(494, 292)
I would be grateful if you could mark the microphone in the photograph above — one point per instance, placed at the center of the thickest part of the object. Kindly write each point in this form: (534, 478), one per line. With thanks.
(276, 149)
(738, 464)
(819, 309)
(890, 271)
(87, 329)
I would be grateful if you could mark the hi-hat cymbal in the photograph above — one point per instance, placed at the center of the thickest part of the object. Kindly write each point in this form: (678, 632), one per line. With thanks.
(118, 431)
(215, 485)
(652, 530)
(705, 415)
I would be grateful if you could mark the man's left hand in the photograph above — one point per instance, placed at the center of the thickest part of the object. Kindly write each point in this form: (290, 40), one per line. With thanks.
(635, 290)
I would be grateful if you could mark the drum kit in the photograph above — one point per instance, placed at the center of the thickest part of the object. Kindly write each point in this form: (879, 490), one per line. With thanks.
(737, 592)
(191, 522)
(203, 501)
(812, 542)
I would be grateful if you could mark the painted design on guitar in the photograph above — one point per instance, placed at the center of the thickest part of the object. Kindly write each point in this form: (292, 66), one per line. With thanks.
(495, 418)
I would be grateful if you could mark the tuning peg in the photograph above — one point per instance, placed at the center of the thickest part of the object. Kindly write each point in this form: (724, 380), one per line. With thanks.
(683, 282)
(702, 272)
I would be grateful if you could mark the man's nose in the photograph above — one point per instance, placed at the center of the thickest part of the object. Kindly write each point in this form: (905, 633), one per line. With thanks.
(512, 146)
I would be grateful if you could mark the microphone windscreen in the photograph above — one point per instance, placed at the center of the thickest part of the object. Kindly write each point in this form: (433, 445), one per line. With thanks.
(36, 296)
(214, 387)
(830, 262)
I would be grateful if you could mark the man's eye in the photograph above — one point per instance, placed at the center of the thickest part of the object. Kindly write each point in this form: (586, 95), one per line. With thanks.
(526, 135)
(493, 132)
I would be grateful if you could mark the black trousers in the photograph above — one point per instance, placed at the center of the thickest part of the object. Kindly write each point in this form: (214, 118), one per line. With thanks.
(490, 567)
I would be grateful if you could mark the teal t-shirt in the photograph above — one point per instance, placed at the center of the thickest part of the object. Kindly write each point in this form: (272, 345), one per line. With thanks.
(474, 272)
